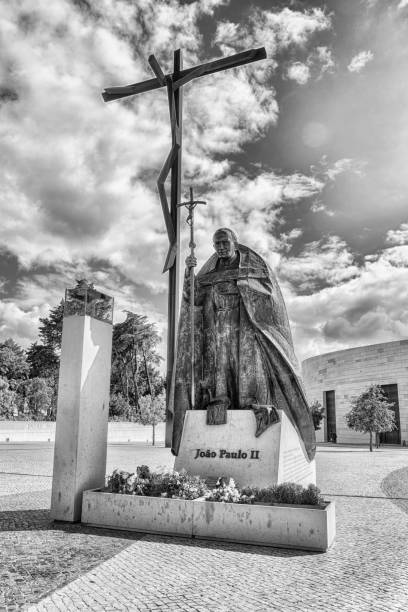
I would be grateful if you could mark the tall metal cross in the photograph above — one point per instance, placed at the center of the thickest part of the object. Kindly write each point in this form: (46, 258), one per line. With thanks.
(174, 83)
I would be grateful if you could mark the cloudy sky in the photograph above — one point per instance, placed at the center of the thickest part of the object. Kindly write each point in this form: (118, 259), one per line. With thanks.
(303, 154)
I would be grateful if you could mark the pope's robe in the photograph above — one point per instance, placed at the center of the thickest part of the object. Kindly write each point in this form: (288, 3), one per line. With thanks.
(243, 345)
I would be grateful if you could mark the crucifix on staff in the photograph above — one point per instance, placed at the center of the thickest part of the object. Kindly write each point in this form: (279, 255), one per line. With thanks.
(174, 83)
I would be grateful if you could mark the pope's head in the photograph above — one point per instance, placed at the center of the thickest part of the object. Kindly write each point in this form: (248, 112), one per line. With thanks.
(225, 243)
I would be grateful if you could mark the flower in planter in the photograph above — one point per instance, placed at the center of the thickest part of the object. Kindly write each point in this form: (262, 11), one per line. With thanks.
(116, 482)
(225, 492)
(143, 471)
(180, 485)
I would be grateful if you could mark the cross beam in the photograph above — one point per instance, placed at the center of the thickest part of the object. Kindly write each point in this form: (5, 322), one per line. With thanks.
(174, 83)
(239, 59)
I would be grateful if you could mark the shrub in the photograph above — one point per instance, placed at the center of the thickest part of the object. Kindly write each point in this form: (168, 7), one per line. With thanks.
(285, 493)
(311, 496)
(170, 484)
(116, 481)
(288, 493)
(181, 485)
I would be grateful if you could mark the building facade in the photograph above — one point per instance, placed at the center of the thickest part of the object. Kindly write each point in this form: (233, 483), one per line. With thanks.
(334, 379)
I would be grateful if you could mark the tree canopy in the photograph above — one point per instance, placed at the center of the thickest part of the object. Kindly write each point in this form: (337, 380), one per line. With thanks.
(43, 361)
(135, 360)
(152, 411)
(371, 413)
(29, 386)
(50, 329)
(13, 362)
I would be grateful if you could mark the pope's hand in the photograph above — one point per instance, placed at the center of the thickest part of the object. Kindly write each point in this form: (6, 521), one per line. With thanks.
(191, 261)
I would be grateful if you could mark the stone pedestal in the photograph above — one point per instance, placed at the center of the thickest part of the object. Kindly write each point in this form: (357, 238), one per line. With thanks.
(82, 413)
(232, 450)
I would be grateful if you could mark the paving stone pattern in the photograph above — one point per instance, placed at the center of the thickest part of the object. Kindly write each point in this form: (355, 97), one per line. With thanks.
(366, 569)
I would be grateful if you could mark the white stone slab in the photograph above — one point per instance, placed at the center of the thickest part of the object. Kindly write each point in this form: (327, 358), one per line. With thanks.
(82, 414)
(301, 527)
(138, 513)
(232, 450)
(282, 526)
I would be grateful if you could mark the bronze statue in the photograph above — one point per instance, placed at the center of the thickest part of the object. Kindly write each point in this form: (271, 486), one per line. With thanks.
(244, 357)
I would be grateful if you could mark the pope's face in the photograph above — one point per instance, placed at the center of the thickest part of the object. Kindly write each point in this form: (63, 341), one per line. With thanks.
(224, 245)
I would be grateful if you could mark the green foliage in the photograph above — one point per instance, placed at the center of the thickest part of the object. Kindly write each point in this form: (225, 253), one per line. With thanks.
(152, 410)
(13, 362)
(50, 330)
(169, 484)
(119, 408)
(37, 395)
(226, 491)
(371, 413)
(42, 360)
(311, 496)
(182, 486)
(317, 412)
(284, 493)
(8, 401)
(134, 372)
(134, 360)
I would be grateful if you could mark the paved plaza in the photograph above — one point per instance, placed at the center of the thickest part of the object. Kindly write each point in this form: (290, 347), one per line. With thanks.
(47, 566)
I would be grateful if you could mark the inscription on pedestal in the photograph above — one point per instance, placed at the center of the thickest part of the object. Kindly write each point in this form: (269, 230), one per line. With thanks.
(222, 453)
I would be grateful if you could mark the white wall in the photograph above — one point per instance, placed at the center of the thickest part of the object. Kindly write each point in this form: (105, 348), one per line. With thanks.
(350, 372)
(44, 431)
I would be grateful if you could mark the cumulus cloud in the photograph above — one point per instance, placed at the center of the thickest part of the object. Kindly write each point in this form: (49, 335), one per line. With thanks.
(319, 62)
(324, 262)
(359, 61)
(366, 308)
(288, 238)
(298, 72)
(275, 30)
(345, 165)
(252, 205)
(398, 236)
(78, 176)
(327, 170)
(323, 57)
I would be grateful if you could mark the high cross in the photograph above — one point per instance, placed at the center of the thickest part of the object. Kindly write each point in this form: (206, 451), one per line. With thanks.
(174, 83)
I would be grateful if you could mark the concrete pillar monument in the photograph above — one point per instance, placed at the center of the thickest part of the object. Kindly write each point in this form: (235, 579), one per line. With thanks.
(83, 399)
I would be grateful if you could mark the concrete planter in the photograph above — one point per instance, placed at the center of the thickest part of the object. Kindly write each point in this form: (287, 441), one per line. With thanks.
(138, 513)
(283, 526)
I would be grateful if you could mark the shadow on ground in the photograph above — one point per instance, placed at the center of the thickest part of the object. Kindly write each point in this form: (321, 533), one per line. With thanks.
(38, 556)
(395, 487)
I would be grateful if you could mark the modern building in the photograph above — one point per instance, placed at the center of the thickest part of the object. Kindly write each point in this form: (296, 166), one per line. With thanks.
(335, 378)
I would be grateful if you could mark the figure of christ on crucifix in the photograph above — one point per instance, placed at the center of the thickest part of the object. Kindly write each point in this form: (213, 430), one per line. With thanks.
(174, 83)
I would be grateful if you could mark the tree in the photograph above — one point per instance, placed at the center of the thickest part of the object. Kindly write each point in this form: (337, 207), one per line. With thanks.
(13, 362)
(37, 395)
(8, 401)
(119, 408)
(152, 411)
(134, 359)
(43, 361)
(317, 412)
(371, 413)
(50, 330)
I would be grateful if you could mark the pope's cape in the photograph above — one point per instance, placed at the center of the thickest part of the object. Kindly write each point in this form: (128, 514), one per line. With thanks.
(263, 302)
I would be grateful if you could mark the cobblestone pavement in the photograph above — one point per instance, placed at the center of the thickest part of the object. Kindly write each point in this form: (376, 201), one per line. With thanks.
(367, 568)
